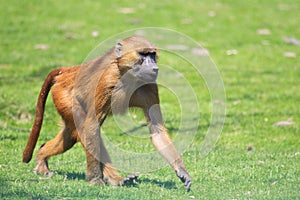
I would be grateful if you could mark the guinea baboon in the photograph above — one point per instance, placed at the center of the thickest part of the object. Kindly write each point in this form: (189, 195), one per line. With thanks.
(84, 95)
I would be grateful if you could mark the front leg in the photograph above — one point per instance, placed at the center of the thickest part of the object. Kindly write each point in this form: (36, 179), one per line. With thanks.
(101, 172)
(99, 166)
(164, 145)
(110, 173)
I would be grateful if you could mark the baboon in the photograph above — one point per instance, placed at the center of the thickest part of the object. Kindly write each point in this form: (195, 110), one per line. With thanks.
(84, 95)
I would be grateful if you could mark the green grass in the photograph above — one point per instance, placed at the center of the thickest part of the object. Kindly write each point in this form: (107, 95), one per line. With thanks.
(262, 88)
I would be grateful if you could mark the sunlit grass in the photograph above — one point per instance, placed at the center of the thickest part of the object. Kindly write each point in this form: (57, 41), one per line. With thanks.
(253, 159)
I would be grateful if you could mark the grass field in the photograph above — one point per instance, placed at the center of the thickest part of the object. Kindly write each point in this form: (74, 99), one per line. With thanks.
(258, 153)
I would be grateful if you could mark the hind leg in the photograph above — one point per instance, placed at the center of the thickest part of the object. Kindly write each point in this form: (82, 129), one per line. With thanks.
(63, 141)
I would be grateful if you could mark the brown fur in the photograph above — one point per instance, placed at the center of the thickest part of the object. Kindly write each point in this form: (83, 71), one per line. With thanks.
(84, 95)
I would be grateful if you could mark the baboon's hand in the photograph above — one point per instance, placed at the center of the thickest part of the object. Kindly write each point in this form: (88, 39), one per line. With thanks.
(185, 178)
(129, 180)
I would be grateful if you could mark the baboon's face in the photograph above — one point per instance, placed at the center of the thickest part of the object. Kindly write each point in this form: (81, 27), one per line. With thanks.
(146, 68)
(139, 60)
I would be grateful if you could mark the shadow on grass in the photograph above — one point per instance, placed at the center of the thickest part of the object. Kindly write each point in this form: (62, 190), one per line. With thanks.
(72, 175)
(170, 185)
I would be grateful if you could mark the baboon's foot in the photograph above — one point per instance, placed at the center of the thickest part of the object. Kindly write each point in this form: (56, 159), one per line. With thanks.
(129, 180)
(119, 181)
(185, 178)
(42, 168)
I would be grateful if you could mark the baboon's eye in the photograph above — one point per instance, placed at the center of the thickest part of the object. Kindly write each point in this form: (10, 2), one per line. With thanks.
(151, 55)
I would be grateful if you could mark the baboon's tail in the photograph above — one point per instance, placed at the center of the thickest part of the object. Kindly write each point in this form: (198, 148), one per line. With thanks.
(39, 113)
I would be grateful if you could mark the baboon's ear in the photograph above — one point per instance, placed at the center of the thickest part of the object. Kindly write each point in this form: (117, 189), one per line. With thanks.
(118, 49)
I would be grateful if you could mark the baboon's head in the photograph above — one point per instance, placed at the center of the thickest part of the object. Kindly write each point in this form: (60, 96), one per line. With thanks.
(137, 57)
